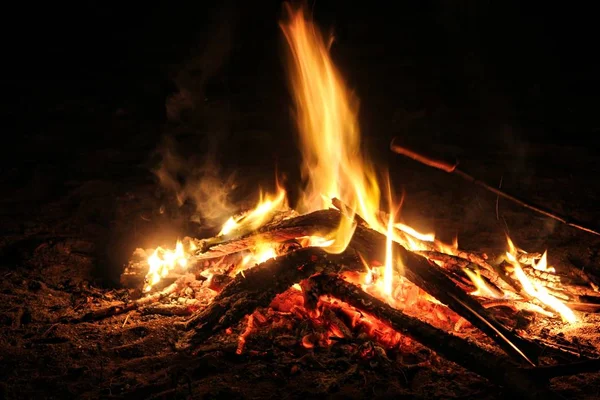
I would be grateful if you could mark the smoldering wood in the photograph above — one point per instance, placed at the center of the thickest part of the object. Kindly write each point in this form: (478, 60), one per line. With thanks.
(428, 277)
(499, 370)
(258, 286)
(553, 371)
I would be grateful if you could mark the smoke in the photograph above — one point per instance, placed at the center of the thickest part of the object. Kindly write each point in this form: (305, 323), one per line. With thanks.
(200, 183)
(199, 123)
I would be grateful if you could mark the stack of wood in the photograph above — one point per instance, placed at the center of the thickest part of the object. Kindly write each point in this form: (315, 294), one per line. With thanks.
(442, 276)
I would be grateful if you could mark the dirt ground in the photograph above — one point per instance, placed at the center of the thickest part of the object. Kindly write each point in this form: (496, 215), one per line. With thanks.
(53, 254)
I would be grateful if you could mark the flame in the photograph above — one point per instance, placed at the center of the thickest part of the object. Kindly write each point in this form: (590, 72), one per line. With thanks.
(542, 264)
(426, 237)
(388, 275)
(536, 289)
(261, 252)
(315, 241)
(162, 261)
(333, 163)
(329, 133)
(259, 215)
(483, 289)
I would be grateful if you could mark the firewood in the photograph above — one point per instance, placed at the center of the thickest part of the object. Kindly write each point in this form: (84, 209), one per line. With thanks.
(576, 296)
(167, 310)
(497, 369)
(258, 286)
(458, 264)
(553, 371)
(370, 244)
(428, 277)
(322, 222)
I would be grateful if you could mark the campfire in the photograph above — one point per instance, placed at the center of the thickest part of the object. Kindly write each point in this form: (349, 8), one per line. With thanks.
(342, 264)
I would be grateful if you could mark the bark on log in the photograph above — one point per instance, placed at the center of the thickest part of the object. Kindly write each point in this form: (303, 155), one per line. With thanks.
(497, 369)
(319, 222)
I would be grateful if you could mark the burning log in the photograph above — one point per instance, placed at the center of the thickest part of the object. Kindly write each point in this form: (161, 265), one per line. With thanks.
(452, 168)
(458, 265)
(577, 296)
(428, 277)
(318, 222)
(258, 286)
(238, 299)
(497, 369)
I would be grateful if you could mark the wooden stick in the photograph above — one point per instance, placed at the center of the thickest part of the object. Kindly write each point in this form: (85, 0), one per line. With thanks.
(458, 350)
(452, 168)
(458, 265)
(122, 308)
(318, 222)
(170, 310)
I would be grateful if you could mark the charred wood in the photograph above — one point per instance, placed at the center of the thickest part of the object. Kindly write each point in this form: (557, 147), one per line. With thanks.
(497, 369)
(258, 286)
(428, 277)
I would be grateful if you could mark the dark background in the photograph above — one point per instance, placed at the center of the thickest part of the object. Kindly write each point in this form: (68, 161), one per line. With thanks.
(85, 86)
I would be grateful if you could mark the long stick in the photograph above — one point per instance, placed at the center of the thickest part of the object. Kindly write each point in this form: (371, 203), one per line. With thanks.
(452, 169)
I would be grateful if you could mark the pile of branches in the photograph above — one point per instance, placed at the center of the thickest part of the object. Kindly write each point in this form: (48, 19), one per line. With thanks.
(438, 274)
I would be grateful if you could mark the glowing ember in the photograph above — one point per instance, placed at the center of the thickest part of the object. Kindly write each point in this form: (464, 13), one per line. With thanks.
(536, 289)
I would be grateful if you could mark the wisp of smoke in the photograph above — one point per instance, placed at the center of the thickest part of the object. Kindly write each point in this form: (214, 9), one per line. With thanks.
(199, 183)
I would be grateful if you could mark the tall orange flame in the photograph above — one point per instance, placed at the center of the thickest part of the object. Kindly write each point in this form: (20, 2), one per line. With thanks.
(329, 133)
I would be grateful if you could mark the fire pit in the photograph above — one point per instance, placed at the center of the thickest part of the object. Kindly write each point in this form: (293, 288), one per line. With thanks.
(333, 290)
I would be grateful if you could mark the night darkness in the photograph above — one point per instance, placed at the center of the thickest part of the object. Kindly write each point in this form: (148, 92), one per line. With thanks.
(487, 67)
(91, 112)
